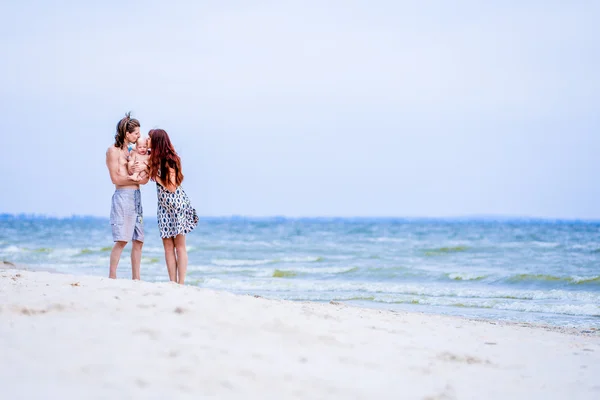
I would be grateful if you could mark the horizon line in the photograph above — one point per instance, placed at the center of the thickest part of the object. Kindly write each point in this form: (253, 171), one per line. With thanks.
(482, 217)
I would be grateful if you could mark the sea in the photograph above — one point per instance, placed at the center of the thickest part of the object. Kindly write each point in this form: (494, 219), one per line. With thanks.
(526, 271)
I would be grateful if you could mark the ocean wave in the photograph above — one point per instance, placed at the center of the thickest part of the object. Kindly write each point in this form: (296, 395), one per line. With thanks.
(41, 250)
(584, 246)
(54, 252)
(458, 276)
(541, 278)
(148, 249)
(301, 259)
(234, 263)
(519, 302)
(87, 251)
(331, 288)
(348, 271)
(12, 249)
(529, 245)
(243, 262)
(585, 279)
(325, 270)
(591, 310)
(446, 250)
(284, 274)
(260, 271)
(63, 253)
(545, 245)
(390, 273)
(207, 244)
(340, 257)
(587, 309)
(387, 240)
(243, 271)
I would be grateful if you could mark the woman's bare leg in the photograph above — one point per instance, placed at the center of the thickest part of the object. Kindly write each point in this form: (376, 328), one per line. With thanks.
(115, 256)
(182, 258)
(169, 245)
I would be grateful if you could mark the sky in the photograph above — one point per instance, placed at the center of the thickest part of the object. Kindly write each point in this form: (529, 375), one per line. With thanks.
(308, 108)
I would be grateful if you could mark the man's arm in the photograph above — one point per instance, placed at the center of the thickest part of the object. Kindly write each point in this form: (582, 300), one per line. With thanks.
(131, 164)
(112, 163)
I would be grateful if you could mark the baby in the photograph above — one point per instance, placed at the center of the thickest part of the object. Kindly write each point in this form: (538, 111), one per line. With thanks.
(139, 154)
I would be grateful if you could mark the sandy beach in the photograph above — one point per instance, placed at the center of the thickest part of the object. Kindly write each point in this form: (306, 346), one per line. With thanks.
(73, 337)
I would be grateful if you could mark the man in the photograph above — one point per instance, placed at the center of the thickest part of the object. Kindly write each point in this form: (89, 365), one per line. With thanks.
(126, 211)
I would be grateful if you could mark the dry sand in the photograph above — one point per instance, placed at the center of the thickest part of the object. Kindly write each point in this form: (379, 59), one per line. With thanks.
(75, 337)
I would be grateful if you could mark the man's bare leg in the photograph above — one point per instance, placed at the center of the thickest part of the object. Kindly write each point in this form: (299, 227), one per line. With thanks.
(170, 259)
(136, 258)
(182, 258)
(115, 256)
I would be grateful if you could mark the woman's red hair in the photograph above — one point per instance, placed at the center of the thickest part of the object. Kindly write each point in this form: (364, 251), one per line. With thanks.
(163, 158)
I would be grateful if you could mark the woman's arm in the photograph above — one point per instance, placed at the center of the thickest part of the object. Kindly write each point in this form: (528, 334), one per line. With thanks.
(171, 187)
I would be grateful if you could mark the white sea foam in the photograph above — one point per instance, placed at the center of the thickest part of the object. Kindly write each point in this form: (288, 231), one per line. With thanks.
(581, 279)
(340, 257)
(242, 262)
(64, 252)
(388, 240)
(592, 310)
(548, 245)
(587, 309)
(318, 270)
(301, 259)
(148, 249)
(283, 288)
(12, 249)
(239, 243)
(585, 246)
(232, 263)
(333, 288)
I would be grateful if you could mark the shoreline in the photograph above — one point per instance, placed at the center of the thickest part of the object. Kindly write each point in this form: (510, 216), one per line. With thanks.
(8, 265)
(589, 331)
(134, 339)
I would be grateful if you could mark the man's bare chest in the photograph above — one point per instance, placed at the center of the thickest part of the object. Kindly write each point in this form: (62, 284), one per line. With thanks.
(123, 159)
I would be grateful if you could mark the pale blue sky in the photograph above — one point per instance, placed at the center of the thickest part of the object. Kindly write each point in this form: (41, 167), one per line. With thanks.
(309, 108)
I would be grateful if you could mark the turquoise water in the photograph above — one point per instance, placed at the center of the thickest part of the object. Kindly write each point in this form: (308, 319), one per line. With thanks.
(530, 271)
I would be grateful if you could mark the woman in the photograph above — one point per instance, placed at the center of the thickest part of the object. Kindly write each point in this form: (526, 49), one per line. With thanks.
(176, 216)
